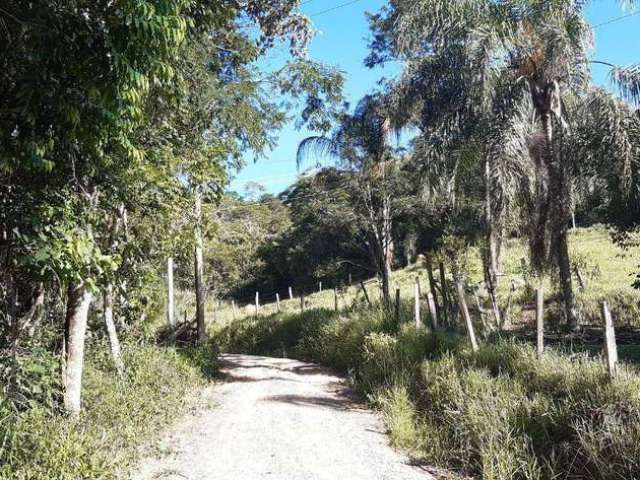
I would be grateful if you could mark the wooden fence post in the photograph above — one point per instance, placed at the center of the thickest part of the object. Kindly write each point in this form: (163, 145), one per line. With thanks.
(335, 299)
(611, 349)
(465, 313)
(417, 303)
(319, 287)
(433, 311)
(278, 302)
(366, 295)
(290, 293)
(540, 321)
(397, 305)
(580, 278)
(257, 303)
(350, 279)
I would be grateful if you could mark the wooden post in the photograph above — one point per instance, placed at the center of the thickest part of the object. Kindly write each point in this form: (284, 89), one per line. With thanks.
(465, 313)
(433, 311)
(397, 305)
(233, 307)
(257, 303)
(366, 295)
(580, 278)
(335, 299)
(611, 349)
(445, 293)
(350, 279)
(171, 320)
(540, 321)
(301, 303)
(417, 303)
(319, 287)
(290, 293)
(278, 302)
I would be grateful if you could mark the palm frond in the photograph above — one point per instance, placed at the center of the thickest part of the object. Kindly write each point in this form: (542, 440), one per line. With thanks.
(627, 80)
(318, 147)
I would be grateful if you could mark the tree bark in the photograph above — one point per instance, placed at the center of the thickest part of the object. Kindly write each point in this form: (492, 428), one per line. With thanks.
(445, 294)
(432, 283)
(199, 271)
(79, 299)
(491, 256)
(171, 319)
(554, 204)
(111, 330)
(36, 312)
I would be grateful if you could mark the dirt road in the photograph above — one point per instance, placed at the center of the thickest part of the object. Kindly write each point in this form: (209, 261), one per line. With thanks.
(278, 419)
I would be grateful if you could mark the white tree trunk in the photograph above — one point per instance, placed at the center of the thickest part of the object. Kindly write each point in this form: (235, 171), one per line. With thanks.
(171, 309)
(111, 330)
(199, 271)
(76, 328)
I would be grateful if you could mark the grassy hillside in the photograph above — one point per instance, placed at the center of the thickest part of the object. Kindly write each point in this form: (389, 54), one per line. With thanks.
(607, 269)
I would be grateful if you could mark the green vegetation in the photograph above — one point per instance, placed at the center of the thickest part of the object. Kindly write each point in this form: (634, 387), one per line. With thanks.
(608, 271)
(39, 442)
(496, 414)
(121, 123)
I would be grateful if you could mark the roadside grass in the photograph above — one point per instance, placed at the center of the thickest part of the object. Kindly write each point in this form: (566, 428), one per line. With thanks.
(495, 414)
(38, 442)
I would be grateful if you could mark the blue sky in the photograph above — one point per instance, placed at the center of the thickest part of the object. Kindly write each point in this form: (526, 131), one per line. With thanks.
(342, 41)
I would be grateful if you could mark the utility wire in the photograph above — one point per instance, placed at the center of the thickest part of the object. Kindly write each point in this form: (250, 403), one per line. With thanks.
(617, 19)
(322, 12)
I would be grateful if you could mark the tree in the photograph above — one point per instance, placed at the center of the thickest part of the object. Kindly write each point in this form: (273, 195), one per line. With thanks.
(545, 45)
(104, 117)
(361, 142)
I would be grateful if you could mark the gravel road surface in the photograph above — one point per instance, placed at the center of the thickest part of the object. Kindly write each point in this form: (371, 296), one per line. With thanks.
(278, 419)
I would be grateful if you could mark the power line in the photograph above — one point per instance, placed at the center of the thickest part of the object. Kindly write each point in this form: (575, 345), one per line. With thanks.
(334, 8)
(617, 19)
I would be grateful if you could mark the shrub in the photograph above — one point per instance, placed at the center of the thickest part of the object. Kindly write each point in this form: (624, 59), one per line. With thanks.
(118, 415)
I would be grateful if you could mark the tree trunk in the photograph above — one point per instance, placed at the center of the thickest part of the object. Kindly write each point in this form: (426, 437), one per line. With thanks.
(492, 248)
(78, 303)
(566, 282)
(387, 252)
(432, 283)
(171, 320)
(445, 294)
(199, 271)
(111, 330)
(36, 312)
(560, 209)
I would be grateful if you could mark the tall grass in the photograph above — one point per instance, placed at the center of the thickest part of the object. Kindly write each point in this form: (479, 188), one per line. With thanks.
(495, 414)
(40, 443)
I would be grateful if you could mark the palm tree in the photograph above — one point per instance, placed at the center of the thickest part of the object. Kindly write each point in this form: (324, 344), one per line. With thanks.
(361, 143)
(527, 46)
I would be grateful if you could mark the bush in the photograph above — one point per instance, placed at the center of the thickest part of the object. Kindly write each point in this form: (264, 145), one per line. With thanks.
(118, 415)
